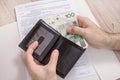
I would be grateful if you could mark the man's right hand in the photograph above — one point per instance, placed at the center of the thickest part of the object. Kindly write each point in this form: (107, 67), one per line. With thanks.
(91, 32)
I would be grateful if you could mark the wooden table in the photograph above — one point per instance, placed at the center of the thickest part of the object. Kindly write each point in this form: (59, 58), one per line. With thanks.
(107, 13)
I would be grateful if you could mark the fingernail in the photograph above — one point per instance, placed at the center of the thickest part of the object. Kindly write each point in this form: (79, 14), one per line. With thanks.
(35, 42)
(55, 51)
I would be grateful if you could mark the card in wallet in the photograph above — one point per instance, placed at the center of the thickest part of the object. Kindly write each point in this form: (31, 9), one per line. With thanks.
(50, 39)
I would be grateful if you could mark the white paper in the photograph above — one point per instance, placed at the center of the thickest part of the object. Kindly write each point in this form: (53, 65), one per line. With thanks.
(29, 14)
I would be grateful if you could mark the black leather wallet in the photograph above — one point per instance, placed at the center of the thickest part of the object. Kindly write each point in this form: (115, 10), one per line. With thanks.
(49, 39)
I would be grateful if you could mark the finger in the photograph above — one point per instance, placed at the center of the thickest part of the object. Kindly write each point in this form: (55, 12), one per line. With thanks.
(53, 59)
(83, 21)
(28, 55)
(32, 47)
(76, 30)
(79, 20)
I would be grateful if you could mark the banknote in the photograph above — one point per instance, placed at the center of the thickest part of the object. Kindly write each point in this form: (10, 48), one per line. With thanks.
(62, 21)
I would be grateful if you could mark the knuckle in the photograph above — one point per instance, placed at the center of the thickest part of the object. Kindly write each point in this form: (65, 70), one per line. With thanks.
(74, 29)
(86, 19)
(51, 69)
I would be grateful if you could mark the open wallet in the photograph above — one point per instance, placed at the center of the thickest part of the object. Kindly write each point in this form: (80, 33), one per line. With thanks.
(50, 39)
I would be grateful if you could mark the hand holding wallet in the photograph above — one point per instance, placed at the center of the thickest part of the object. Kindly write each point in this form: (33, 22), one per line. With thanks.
(49, 39)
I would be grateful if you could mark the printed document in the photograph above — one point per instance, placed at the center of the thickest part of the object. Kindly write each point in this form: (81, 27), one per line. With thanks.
(28, 14)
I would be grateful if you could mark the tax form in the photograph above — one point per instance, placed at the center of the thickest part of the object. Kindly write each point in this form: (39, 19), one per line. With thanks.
(28, 14)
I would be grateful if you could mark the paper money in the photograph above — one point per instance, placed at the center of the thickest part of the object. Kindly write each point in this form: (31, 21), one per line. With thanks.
(64, 20)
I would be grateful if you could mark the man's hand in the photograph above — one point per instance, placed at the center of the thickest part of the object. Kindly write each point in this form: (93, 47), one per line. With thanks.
(94, 35)
(37, 70)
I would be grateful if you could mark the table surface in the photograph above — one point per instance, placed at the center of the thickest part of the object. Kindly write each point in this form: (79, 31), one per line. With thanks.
(106, 12)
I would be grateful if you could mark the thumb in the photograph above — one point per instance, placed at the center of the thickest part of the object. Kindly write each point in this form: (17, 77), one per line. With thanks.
(76, 30)
(53, 59)
(28, 55)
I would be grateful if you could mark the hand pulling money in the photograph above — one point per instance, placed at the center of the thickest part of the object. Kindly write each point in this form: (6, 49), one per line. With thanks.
(64, 20)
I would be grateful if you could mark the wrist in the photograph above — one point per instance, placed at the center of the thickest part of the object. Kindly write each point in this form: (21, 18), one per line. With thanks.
(107, 41)
(113, 41)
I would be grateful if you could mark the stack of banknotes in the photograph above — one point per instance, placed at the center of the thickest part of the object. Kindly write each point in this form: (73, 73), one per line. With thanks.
(62, 21)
